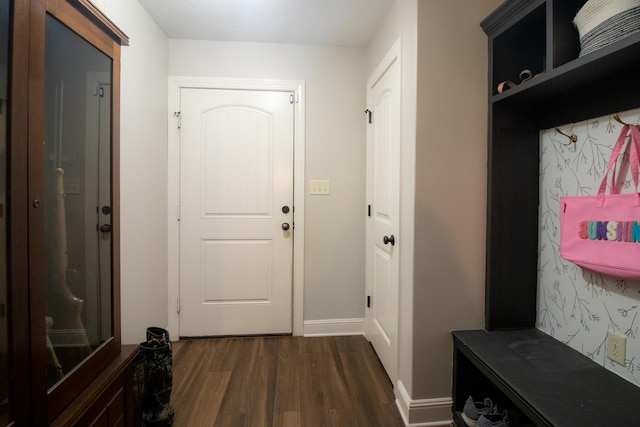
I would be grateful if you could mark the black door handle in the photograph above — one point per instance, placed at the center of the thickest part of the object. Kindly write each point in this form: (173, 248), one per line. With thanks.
(285, 226)
(389, 239)
(105, 228)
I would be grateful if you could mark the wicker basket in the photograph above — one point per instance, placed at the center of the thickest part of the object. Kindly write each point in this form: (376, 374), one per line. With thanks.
(602, 22)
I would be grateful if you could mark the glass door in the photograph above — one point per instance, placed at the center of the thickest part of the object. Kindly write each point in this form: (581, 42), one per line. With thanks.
(77, 188)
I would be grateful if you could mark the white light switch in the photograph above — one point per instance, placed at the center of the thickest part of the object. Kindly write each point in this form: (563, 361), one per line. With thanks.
(319, 186)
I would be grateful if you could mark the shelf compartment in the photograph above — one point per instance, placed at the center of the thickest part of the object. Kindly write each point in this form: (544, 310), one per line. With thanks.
(520, 47)
(565, 42)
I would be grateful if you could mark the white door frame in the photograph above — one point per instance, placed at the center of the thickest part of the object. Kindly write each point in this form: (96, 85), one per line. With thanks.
(176, 83)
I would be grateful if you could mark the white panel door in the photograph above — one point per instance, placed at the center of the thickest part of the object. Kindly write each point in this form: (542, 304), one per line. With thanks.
(383, 189)
(97, 212)
(236, 212)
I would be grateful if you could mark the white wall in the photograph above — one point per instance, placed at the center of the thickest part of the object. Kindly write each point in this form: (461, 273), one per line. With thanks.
(451, 149)
(335, 150)
(444, 146)
(143, 162)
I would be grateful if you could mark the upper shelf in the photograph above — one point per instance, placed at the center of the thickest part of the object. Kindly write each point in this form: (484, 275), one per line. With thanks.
(540, 36)
(622, 57)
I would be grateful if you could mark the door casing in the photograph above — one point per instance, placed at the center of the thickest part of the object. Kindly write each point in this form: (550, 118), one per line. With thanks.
(173, 185)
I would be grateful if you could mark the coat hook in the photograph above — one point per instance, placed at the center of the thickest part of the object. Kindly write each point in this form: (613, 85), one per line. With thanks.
(367, 111)
(572, 138)
(617, 118)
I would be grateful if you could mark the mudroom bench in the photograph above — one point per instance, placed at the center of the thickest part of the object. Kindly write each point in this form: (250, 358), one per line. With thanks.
(544, 380)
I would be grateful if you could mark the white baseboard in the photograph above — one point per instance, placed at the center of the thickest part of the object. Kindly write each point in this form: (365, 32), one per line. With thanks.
(333, 327)
(423, 412)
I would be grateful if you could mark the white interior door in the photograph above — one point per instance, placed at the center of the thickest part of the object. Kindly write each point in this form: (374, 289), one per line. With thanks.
(97, 209)
(236, 212)
(383, 189)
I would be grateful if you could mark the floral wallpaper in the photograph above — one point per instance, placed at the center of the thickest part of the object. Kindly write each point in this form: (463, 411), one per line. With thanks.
(575, 306)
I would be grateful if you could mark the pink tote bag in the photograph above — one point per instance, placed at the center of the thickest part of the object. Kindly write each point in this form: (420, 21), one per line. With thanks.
(601, 233)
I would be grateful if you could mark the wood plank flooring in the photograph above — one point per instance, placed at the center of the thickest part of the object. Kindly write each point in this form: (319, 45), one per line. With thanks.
(281, 382)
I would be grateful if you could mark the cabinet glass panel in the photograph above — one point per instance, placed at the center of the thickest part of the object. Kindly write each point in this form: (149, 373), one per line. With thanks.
(4, 304)
(77, 183)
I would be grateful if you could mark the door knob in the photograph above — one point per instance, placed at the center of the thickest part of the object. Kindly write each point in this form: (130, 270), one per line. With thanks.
(389, 239)
(285, 226)
(285, 209)
(105, 228)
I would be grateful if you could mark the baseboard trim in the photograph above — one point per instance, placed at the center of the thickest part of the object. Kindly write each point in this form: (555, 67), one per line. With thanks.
(333, 327)
(423, 412)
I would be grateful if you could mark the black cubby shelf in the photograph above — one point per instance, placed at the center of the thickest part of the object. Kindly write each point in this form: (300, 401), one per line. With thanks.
(571, 89)
(518, 366)
(543, 381)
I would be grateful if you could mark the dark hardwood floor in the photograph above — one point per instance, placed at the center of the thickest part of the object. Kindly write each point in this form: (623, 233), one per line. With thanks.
(281, 381)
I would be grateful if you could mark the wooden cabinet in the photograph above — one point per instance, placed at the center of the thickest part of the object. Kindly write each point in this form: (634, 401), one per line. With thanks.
(60, 275)
(511, 361)
(108, 400)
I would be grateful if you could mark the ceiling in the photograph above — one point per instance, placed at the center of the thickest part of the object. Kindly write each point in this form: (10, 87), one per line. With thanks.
(318, 22)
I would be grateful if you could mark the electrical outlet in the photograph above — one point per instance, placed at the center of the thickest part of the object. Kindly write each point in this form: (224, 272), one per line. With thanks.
(616, 347)
(317, 186)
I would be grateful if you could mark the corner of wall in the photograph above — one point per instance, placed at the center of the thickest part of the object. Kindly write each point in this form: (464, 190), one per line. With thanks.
(143, 137)
(423, 412)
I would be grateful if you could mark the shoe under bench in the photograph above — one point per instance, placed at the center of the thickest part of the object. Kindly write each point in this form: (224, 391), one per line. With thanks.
(546, 381)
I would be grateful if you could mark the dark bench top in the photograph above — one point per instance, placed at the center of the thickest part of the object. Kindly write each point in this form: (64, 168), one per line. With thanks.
(557, 383)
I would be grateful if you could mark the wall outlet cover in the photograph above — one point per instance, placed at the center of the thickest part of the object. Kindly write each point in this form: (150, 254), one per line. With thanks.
(616, 347)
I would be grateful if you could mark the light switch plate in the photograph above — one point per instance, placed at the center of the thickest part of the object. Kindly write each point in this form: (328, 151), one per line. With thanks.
(320, 186)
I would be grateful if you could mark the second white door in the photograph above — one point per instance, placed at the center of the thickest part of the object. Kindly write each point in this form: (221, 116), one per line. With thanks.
(383, 193)
(236, 212)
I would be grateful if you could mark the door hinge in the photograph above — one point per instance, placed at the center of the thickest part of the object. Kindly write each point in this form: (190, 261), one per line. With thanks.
(368, 112)
(368, 301)
(101, 92)
(291, 98)
(178, 116)
(178, 212)
(368, 210)
(178, 305)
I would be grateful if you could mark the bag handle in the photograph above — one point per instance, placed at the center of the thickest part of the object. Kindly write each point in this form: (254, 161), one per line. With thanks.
(634, 141)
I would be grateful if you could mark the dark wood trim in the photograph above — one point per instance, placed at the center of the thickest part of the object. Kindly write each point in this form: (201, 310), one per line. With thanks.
(81, 24)
(37, 306)
(84, 409)
(74, 384)
(88, 9)
(18, 249)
